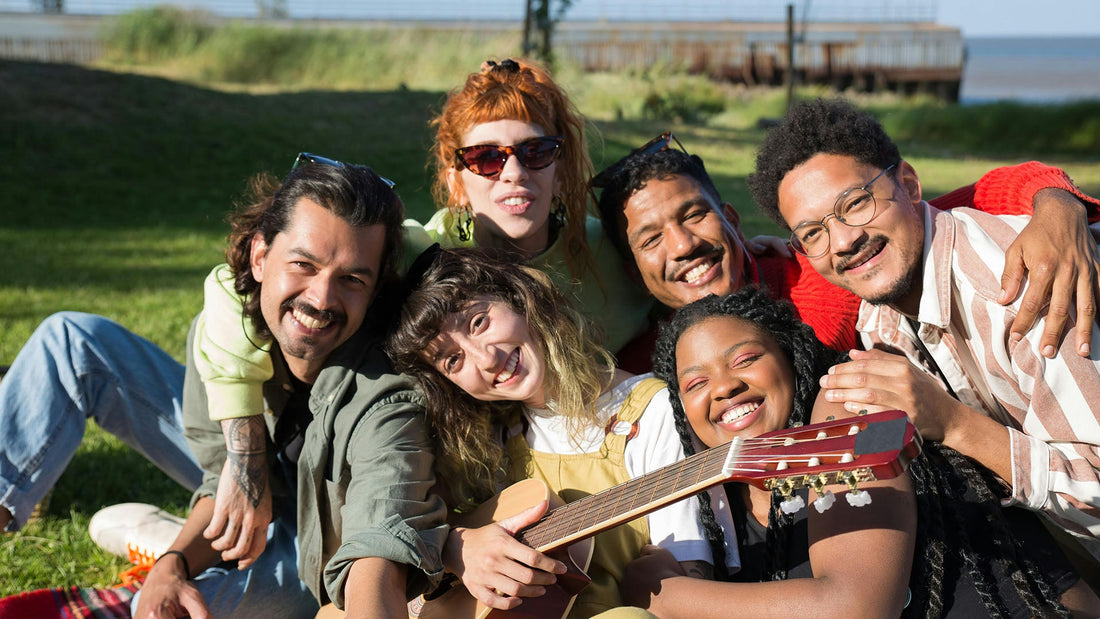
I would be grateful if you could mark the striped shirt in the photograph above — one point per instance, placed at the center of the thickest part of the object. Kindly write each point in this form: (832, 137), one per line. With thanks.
(1051, 407)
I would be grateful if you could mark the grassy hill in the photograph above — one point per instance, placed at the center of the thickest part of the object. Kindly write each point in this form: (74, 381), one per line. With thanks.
(117, 183)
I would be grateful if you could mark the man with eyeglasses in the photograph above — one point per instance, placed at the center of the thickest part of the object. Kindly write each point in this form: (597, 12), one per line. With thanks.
(929, 281)
(348, 456)
(661, 209)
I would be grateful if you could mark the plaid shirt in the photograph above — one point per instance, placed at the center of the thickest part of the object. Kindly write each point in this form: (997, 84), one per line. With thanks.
(1050, 406)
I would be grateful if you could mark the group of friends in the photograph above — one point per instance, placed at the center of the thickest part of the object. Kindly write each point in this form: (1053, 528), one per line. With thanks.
(358, 384)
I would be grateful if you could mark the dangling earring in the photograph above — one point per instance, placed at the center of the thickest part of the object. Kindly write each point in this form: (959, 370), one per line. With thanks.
(558, 212)
(465, 225)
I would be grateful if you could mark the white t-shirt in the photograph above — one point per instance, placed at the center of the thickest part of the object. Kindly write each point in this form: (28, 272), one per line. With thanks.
(675, 527)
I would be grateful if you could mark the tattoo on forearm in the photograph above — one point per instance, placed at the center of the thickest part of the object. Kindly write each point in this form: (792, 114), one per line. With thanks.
(250, 474)
(244, 435)
(246, 445)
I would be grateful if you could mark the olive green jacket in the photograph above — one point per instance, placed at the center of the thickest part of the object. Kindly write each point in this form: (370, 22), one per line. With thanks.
(364, 472)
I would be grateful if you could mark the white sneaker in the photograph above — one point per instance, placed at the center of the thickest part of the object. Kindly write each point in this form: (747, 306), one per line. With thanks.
(137, 531)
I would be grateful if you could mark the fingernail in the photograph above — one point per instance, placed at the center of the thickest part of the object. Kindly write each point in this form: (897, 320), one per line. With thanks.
(1001, 296)
(1013, 339)
(560, 568)
(1048, 351)
(1085, 350)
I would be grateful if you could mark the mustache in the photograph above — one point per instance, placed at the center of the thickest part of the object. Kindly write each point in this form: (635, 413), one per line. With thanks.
(313, 312)
(859, 252)
(703, 251)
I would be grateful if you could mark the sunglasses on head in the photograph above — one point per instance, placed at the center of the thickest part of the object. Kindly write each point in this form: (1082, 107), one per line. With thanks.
(488, 159)
(304, 158)
(656, 145)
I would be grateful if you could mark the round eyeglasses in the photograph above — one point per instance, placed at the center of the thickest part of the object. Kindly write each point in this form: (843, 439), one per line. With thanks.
(853, 208)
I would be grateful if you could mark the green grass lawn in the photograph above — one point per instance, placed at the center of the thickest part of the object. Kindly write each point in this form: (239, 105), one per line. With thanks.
(116, 187)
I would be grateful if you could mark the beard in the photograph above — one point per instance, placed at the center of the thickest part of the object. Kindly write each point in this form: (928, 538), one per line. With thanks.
(899, 289)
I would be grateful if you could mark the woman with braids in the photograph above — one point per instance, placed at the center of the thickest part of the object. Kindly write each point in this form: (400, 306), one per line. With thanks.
(935, 542)
(516, 387)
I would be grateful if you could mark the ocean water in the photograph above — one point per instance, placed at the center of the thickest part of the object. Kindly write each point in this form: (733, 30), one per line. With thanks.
(1031, 70)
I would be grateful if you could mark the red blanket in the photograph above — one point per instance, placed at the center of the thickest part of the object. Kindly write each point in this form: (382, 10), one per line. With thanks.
(70, 603)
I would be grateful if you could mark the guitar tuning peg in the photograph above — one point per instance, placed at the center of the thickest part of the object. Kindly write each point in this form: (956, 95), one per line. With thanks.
(824, 501)
(792, 504)
(855, 496)
(858, 498)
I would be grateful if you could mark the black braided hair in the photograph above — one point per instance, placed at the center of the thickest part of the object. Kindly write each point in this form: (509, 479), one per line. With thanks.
(809, 358)
(941, 476)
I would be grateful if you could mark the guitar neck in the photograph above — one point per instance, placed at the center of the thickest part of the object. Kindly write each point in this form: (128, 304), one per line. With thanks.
(598, 512)
(849, 450)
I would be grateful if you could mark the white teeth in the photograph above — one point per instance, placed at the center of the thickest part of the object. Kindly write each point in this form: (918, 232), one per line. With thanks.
(515, 201)
(693, 275)
(509, 367)
(307, 321)
(738, 412)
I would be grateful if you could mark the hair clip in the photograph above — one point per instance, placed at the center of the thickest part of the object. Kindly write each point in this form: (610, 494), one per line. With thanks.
(504, 65)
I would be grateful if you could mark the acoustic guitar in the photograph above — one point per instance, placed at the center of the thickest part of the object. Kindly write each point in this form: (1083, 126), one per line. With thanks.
(847, 451)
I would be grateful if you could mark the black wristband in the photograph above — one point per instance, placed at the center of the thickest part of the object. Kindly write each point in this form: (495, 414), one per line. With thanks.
(186, 565)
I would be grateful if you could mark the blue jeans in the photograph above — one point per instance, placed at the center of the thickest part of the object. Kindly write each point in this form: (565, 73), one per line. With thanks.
(269, 588)
(78, 366)
(75, 367)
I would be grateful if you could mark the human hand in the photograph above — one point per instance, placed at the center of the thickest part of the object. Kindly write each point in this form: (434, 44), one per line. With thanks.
(1057, 254)
(497, 569)
(642, 577)
(766, 245)
(875, 380)
(242, 504)
(167, 594)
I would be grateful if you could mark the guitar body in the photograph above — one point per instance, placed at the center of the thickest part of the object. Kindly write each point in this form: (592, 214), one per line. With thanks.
(457, 603)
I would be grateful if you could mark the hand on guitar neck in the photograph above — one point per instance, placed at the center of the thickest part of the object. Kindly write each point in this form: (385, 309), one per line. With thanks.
(496, 568)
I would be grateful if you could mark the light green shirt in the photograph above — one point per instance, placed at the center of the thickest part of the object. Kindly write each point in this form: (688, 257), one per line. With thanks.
(233, 368)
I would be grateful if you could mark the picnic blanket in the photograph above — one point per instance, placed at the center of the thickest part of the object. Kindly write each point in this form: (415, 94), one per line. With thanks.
(70, 603)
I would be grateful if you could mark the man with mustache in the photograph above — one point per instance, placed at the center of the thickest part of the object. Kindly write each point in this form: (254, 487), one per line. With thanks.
(342, 433)
(663, 212)
(929, 280)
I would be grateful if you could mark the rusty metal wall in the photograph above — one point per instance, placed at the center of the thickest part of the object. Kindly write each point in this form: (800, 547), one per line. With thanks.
(757, 53)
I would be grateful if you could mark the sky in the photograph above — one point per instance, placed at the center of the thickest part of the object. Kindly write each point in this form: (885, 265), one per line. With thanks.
(1021, 17)
(974, 17)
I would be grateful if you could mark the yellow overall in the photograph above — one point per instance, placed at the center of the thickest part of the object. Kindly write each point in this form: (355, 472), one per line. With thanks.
(574, 476)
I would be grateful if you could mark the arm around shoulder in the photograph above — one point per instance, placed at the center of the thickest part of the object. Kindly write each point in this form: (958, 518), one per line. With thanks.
(232, 360)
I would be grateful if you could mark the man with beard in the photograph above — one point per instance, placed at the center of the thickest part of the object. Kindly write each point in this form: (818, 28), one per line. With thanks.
(663, 212)
(929, 279)
(350, 460)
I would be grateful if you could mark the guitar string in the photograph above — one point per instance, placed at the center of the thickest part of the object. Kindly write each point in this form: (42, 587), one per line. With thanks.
(593, 509)
(688, 470)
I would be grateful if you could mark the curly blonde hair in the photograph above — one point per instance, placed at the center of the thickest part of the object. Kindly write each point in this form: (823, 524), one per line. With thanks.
(468, 432)
(519, 90)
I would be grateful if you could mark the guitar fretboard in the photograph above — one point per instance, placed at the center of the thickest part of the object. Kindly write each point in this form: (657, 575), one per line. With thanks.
(629, 500)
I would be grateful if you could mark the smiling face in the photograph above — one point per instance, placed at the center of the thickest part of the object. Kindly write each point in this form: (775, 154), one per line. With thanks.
(488, 351)
(318, 277)
(511, 211)
(880, 261)
(734, 380)
(685, 244)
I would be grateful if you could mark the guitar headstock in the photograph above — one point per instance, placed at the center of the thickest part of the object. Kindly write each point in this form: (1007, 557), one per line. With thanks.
(850, 451)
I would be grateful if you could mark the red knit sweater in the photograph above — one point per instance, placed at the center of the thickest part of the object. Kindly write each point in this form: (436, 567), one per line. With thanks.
(832, 311)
